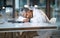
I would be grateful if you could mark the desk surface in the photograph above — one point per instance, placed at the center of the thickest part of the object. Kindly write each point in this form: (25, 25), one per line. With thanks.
(26, 26)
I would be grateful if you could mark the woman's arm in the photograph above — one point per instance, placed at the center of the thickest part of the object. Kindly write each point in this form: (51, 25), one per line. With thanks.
(47, 19)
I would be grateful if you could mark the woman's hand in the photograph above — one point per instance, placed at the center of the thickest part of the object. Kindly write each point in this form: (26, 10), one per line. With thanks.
(26, 20)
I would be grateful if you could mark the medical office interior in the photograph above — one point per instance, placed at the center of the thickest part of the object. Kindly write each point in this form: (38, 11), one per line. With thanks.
(10, 10)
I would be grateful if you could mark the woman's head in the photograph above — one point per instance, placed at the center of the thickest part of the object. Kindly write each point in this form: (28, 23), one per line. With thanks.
(28, 13)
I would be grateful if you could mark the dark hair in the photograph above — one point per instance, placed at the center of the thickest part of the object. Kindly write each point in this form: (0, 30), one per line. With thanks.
(25, 9)
(31, 10)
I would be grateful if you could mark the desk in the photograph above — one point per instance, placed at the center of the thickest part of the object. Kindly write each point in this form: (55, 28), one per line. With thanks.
(16, 27)
(11, 29)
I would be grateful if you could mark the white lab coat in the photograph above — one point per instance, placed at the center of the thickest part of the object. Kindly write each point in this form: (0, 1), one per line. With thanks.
(20, 18)
(39, 16)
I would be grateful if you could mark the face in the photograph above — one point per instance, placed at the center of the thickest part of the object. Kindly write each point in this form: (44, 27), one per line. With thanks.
(28, 14)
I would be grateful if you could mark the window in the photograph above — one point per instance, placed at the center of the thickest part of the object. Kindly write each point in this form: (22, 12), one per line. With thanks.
(6, 11)
(56, 10)
(38, 2)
